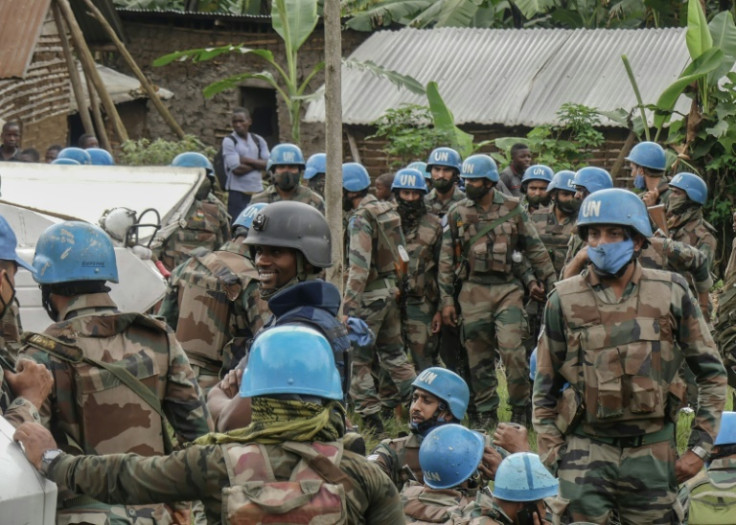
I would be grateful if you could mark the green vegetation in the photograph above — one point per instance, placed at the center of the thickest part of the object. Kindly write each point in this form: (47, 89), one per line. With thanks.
(160, 152)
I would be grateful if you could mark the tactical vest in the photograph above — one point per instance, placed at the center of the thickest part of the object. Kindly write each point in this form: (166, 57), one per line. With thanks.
(202, 229)
(420, 244)
(423, 505)
(712, 503)
(99, 414)
(554, 236)
(208, 308)
(386, 238)
(492, 252)
(622, 348)
(314, 493)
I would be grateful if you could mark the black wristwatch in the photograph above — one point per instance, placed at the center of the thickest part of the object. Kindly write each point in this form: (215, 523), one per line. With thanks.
(48, 457)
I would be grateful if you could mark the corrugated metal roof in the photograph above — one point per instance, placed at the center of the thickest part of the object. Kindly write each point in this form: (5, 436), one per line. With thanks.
(20, 27)
(512, 77)
(203, 15)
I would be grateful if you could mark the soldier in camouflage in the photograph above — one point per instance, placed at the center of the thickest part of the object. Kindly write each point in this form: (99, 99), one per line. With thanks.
(315, 173)
(286, 165)
(24, 384)
(648, 164)
(373, 239)
(206, 223)
(534, 185)
(213, 298)
(488, 238)
(444, 169)
(254, 473)
(118, 377)
(423, 235)
(618, 334)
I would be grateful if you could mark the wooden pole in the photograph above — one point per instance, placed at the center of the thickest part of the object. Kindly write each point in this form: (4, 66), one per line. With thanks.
(73, 73)
(97, 114)
(333, 137)
(145, 84)
(88, 64)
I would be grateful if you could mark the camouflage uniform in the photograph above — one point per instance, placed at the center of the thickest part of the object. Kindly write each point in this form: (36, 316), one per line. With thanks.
(203, 471)
(392, 455)
(207, 315)
(493, 317)
(611, 435)
(423, 246)
(554, 234)
(690, 228)
(90, 411)
(206, 225)
(16, 410)
(374, 232)
(424, 505)
(484, 511)
(720, 475)
(301, 194)
(436, 207)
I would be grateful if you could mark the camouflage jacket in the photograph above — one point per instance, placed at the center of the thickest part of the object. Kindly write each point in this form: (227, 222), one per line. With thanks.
(423, 243)
(663, 253)
(374, 234)
(424, 505)
(207, 309)
(692, 229)
(484, 511)
(554, 234)
(16, 410)
(89, 406)
(437, 207)
(489, 259)
(201, 473)
(392, 455)
(301, 194)
(621, 358)
(206, 225)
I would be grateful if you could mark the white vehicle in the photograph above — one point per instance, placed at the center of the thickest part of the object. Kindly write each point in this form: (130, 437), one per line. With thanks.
(35, 196)
(26, 497)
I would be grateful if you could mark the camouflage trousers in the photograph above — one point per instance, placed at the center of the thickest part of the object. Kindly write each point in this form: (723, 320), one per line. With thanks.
(637, 482)
(96, 513)
(422, 343)
(382, 375)
(494, 324)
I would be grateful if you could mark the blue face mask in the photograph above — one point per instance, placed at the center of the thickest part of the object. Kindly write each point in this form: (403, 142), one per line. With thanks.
(640, 183)
(609, 258)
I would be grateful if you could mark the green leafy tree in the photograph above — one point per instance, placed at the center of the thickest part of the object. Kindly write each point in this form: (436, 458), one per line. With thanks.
(160, 152)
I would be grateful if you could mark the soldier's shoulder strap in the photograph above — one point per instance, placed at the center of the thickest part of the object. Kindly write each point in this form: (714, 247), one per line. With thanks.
(572, 285)
(63, 349)
(516, 210)
(326, 468)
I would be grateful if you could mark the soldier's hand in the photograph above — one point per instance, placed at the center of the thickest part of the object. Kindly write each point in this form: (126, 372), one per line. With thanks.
(230, 384)
(575, 266)
(35, 440)
(436, 323)
(33, 381)
(536, 292)
(489, 463)
(511, 437)
(687, 466)
(650, 197)
(449, 316)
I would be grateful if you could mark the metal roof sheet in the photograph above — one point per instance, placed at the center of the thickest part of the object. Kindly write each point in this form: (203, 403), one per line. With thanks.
(512, 77)
(20, 28)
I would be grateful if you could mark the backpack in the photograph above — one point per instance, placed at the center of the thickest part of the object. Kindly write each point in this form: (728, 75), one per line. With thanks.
(218, 162)
(315, 492)
(712, 503)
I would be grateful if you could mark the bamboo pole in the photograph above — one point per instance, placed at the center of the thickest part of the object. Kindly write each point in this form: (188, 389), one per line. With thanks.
(97, 114)
(333, 137)
(73, 73)
(88, 64)
(145, 84)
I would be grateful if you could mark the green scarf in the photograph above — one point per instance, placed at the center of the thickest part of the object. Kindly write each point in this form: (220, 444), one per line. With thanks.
(277, 420)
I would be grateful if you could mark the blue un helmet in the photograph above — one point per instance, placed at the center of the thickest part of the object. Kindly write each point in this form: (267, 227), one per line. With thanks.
(537, 172)
(245, 219)
(8, 244)
(192, 159)
(614, 206)
(444, 157)
(74, 251)
(523, 477)
(449, 455)
(479, 167)
(355, 177)
(447, 386)
(422, 167)
(593, 179)
(100, 157)
(694, 186)
(286, 155)
(78, 154)
(648, 155)
(65, 162)
(409, 179)
(563, 180)
(727, 433)
(291, 359)
(316, 164)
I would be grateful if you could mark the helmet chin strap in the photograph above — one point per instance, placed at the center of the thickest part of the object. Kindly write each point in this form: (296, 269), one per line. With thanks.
(424, 427)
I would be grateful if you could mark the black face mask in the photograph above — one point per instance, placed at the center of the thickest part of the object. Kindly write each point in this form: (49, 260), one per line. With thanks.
(475, 193)
(571, 207)
(6, 305)
(347, 202)
(46, 302)
(443, 185)
(410, 211)
(317, 183)
(286, 181)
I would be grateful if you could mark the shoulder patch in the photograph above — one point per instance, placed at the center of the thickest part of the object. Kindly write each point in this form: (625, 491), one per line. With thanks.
(53, 346)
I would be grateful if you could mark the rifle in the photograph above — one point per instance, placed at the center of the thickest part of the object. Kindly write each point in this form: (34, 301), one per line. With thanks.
(657, 215)
(401, 266)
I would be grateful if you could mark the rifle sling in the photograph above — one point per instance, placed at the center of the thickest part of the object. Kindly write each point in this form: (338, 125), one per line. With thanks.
(484, 231)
